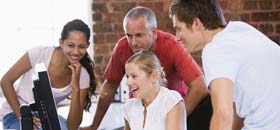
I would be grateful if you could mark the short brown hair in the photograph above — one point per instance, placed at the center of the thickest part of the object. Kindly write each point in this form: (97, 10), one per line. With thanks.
(208, 11)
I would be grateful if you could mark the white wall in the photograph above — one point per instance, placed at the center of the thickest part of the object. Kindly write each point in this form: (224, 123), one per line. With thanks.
(28, 23)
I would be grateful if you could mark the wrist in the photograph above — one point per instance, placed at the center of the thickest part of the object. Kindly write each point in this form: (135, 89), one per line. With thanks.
(75, 90)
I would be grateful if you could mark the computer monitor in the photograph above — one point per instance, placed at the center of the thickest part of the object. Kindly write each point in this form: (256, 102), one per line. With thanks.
(44, 101)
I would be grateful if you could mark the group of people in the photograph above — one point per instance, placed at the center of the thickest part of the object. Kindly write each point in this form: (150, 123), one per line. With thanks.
(167, 87)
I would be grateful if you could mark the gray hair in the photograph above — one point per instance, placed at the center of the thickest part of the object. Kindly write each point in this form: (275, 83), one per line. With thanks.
(140, 11)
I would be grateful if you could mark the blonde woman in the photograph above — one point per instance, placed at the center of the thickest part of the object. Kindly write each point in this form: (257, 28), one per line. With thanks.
(154, 106)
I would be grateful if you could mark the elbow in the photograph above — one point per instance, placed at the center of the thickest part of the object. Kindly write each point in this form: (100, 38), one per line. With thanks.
(74, 125)
(224, 114)
(2, 82)
(108, 90)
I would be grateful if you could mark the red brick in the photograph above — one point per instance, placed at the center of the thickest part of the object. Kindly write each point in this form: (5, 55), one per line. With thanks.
(275, 39)
(157, 7)
(276, 4)
(99, 8)
(266, 16)
(97, 16)
(265, 4)
(103, 28)
(98, 38)
(223, 4)
(266, 28)
(245, 17)
(123, 7)
(111, 38)
(101, 49)
(277, 28)
(250, 5)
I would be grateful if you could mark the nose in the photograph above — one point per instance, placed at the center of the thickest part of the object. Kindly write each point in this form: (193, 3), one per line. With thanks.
(134, 41)
(178, 36)
(76, 50)
(129, 82)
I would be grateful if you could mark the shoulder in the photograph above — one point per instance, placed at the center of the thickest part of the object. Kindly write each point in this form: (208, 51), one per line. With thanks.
(165, 37)
(40, 49)
(122, 43)
(170, 94)
(84, 78)
(169, 99)
(166, 41)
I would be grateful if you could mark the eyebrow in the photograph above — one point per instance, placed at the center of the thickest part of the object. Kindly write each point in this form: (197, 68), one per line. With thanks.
(128, 34)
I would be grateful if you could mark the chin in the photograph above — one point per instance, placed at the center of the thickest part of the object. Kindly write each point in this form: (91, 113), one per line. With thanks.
(74, 61)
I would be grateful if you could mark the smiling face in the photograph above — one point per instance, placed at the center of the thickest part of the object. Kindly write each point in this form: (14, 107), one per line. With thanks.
(74, 46)
(138, 36)
(190, 35)
(139, 82)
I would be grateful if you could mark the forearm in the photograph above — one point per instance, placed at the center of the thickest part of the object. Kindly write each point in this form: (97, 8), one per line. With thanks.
(106, 97)
(11, 97)
(237, 121)
(221, 121)
(196, 93)
(126, 125)
(75, 115)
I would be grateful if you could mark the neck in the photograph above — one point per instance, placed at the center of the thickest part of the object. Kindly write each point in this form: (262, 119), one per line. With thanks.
(60, 59)
(151, 97)
(209, 34)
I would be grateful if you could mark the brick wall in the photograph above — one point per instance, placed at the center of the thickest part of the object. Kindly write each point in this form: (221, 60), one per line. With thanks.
(108, 15)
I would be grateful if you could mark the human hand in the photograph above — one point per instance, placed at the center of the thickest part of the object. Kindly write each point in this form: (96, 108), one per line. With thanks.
(87, 128)
(37, 123)
(75, 79)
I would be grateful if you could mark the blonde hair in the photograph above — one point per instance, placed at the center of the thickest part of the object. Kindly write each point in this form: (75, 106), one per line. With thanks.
(149, 62)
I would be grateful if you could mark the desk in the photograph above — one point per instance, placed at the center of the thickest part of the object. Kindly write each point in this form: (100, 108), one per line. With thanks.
(112, 120)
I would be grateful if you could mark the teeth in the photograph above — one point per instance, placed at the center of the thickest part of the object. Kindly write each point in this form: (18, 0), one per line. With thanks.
(75, 57)
(133, 89)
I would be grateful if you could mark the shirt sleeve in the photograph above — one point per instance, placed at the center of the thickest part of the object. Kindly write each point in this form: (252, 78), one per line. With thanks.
(35, 55)
(84, 79)
(171, 99)
(220, 61)
(115, 69)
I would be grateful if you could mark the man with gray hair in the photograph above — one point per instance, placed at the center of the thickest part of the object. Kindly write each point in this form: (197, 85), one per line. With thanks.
(182, 72)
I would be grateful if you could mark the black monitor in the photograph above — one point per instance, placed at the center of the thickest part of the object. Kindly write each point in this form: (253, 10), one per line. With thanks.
(44, 101)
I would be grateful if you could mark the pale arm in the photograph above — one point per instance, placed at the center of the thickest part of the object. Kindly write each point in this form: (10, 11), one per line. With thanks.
(126, 125)
(222, 102)
(196, 93)
(176, 117)
(8, 80)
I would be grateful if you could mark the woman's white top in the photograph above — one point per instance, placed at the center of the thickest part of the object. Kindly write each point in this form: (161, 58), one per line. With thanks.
(156, 111)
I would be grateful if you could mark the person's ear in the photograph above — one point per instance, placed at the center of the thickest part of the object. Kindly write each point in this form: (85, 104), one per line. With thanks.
(87, 45)
(154, 32)
(197, 24)
(60, 42)
(154, 76)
